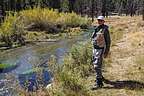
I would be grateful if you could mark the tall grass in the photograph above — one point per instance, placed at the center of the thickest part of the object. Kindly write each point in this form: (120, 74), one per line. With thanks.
(6, 30)
(116, 34)
(48, 19)
(14, 27)
(71, 76)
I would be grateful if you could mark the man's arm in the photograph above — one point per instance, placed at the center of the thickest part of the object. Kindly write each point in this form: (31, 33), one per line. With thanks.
(108, 42)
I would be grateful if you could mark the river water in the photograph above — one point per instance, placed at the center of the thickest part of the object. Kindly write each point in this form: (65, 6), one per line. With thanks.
(30, 56)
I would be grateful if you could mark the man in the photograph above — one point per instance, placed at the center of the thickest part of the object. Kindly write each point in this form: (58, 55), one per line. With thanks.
(101, 43)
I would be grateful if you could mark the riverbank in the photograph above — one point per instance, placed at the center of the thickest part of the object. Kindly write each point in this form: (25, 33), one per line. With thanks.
(39, 24)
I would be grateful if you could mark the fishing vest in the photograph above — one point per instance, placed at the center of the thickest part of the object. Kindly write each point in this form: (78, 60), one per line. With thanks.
(99, 39)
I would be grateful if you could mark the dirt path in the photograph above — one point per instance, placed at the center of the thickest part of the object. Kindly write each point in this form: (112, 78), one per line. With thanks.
(124, 68)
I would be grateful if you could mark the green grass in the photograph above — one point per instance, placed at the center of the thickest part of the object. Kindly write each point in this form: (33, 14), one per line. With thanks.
(71, 76)
(116, 34)
(4, 66)
(31, 71)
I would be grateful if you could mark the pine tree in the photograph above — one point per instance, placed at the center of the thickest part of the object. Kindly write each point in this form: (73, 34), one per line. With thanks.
(64, 5)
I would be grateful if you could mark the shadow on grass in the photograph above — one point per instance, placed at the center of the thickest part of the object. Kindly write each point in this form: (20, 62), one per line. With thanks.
(129, 84)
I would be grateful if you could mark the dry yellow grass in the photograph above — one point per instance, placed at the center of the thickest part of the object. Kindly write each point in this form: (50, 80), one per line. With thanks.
(126, 59)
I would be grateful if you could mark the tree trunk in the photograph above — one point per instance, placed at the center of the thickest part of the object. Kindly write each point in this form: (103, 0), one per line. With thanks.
(104, 10)
(120, 9)
(71, 5)
(143, 11)
(2, 11)
(92, 10)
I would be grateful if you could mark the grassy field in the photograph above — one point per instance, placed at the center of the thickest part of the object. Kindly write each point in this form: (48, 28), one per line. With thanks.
(124, 67)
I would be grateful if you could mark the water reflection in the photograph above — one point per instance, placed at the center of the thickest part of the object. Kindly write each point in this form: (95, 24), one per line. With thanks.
(32, 79)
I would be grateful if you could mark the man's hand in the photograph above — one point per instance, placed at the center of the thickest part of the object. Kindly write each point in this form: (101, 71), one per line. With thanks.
(95, 66)
(105, 55)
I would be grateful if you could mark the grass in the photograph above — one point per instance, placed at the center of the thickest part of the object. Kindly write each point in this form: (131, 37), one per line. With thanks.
(51, 20)
(12, 29)
(70, 77)
(124, 63)
(6, 30)
(16, 27)
(116, 34)
(4, 66)
(68, 33)
(140, 60)
(77, 68)
(126, 57)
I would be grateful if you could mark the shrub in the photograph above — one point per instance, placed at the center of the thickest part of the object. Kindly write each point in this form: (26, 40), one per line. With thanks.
(70, 77)
(6, 30)
(51, 20)
(12, 30)
(37, 19)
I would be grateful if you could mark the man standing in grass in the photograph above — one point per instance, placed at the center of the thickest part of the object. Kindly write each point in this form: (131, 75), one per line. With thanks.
(101, 43)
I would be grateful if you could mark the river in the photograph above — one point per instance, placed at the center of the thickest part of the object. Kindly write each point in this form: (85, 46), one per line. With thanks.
(30, 56)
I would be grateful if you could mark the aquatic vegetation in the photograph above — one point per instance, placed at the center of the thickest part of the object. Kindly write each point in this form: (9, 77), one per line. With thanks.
(4, 68)
(32, 79)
